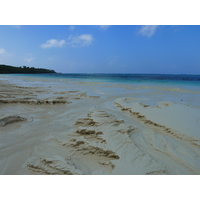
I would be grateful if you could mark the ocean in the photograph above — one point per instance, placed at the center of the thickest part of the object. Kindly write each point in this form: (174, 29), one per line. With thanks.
(181, 80)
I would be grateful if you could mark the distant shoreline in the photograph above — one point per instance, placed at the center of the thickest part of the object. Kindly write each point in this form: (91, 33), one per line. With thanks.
(7, 69)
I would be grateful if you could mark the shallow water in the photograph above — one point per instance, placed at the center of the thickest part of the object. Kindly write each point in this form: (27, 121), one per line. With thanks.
(183, 89)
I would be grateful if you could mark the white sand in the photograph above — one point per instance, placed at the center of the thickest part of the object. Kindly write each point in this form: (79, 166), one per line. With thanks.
(61, 127)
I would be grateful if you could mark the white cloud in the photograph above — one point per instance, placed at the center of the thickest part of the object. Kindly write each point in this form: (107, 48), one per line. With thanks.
(71, 28)
(148, 30)
(2, 51)
(53, 43)
(81, 40)
(5, 57)
(29, 59)
(104, 27)
(113, 60)
(16, 26)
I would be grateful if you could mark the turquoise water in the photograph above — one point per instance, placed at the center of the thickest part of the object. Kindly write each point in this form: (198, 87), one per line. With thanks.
(127, 78)
(182, 81)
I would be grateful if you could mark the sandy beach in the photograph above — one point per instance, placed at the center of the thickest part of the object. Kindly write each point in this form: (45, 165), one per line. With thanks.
(59, 126)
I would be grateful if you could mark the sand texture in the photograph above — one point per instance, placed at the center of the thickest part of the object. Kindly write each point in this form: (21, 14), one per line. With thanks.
(55, 126)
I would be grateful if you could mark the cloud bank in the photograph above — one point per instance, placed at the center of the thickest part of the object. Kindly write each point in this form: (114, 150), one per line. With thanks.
(81, 40)
(148, 30)
(53, 43)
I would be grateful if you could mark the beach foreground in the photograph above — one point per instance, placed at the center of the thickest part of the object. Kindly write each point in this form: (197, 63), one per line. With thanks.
(59, 126)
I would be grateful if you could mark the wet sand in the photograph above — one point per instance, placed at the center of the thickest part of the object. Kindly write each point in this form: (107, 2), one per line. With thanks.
(51, 126)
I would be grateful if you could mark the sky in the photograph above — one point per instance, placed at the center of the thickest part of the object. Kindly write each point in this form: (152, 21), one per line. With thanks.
(103, 48)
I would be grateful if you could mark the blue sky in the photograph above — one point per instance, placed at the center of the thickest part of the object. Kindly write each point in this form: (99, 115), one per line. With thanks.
(103, 49)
